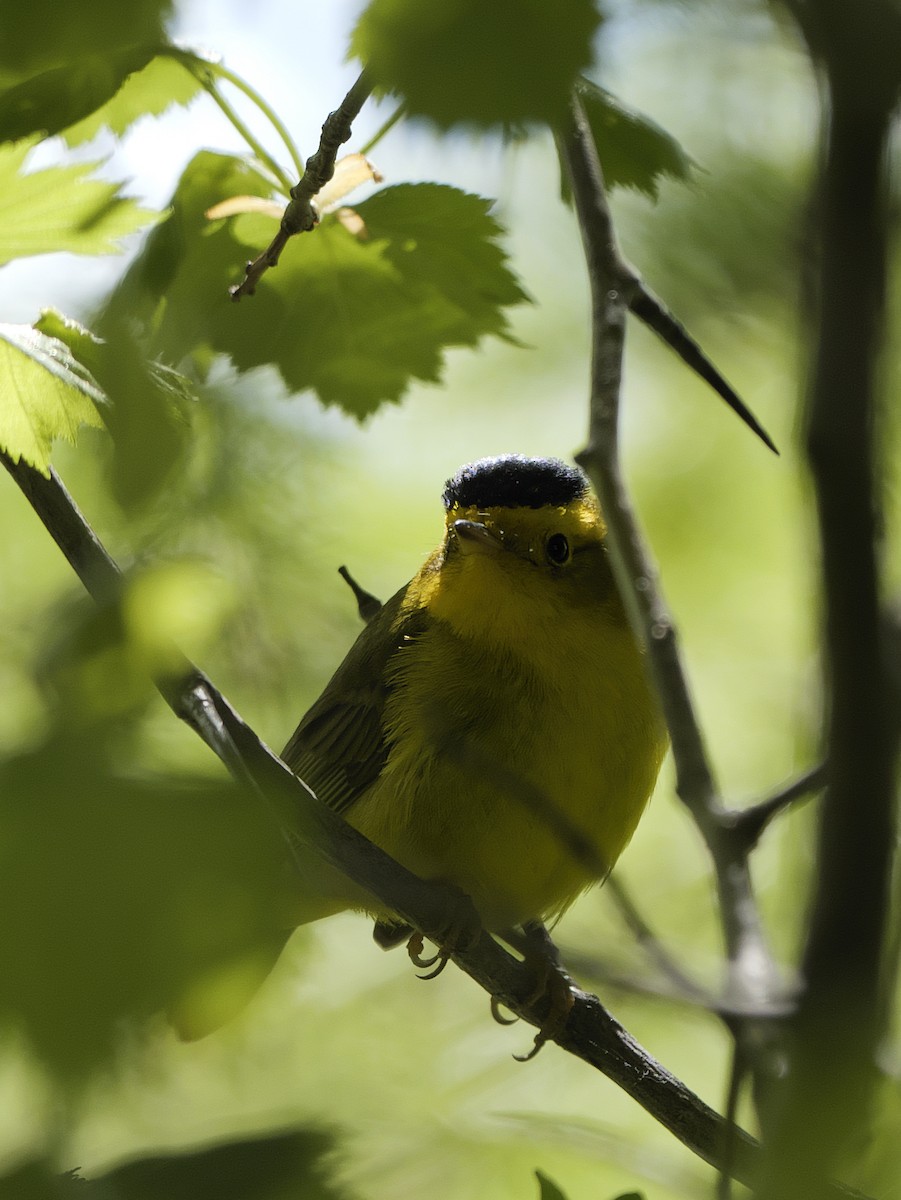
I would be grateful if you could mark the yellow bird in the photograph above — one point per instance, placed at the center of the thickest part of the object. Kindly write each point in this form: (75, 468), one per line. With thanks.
(493, 725)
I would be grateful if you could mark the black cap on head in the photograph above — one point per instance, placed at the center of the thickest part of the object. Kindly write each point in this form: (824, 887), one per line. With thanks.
(514, 481)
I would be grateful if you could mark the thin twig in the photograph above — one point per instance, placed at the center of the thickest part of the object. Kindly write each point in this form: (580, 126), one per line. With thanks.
(654, 313)
(753, 979)
(749, 823)
(737, 1072)
(367, 604)
(301, 216)
(683, 985)
(63, 520)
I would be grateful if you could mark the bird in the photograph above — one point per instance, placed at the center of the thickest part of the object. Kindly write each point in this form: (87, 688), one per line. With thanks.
(493, 726)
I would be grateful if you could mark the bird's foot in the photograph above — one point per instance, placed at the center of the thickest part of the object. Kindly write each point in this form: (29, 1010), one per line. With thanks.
(556, 989)
(552, 985)
(462, 932)
(418, 959)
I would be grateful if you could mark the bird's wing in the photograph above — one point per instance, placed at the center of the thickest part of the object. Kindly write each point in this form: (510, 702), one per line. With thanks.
(339, 748)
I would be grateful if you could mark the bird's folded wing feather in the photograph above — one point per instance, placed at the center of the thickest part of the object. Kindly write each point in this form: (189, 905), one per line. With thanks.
(339, 748)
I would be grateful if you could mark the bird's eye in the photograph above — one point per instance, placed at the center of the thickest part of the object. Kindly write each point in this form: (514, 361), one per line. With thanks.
(557, 549)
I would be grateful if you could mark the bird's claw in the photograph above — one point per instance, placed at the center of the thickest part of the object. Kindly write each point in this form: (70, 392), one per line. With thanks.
(462, 933)
(552, 985)
(498, 1016)
(441, 957)
(557, 987)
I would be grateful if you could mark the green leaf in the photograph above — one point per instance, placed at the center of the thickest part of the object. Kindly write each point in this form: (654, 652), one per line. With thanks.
(445, 242)
(548, 1189)
(148, 408)
(61, 208)
(634, 150)
(280, 1166)
(84, 345)
(464, 61)
(45, 394)
(120, 894)
(355, 319)
(54, 99)
(53, 32)
(40, 1180)
(163, 83)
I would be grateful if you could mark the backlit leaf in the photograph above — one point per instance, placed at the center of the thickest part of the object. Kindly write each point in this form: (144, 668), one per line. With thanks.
(634, 150)
(45, 394)
(61, 208)
(148, 405)
(52, 100)
(148, 92)
(355, 318)
(464, 61)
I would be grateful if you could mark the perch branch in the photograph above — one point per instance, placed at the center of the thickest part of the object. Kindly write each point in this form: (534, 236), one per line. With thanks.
(591, 1033)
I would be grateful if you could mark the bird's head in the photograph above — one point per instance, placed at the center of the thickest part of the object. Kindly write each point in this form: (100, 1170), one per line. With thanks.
(523, 556)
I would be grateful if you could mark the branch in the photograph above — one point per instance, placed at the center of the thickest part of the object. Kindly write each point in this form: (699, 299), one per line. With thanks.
(750, 823)
(829, 1084)
(654, 313)
(63, 520)
(591, 1033)
(683, 986)
(753, 981)
(301, 216)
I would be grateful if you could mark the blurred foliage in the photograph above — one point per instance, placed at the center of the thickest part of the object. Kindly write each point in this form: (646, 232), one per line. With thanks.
(748, 202)
(55, 99)
(280, 1167)
(61, 208)
(133, 878)
(55, 33)
(634, 150)
(284, 1166)
(464, 62)
(145, 893)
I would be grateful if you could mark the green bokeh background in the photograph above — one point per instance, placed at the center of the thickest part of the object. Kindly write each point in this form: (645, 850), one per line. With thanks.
(418, 1083)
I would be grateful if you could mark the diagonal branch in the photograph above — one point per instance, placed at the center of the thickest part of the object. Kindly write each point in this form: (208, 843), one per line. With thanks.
(651, 309)
(753, 980)
(749, 823)
(301, 216)
(591, 1033)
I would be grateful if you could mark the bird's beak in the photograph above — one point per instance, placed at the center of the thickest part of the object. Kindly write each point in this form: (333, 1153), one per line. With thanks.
(475, 538)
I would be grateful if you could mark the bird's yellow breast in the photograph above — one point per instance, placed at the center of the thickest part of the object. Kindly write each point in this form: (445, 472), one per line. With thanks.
(525, 740)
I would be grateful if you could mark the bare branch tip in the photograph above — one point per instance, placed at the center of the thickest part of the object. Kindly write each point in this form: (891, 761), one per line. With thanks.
(367, 604)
